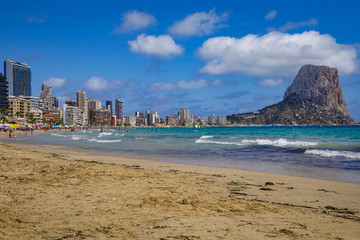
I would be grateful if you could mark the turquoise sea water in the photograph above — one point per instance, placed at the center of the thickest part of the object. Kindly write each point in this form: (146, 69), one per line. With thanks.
(331, 153)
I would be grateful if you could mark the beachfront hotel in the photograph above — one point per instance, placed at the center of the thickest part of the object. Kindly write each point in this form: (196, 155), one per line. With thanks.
(18, 76)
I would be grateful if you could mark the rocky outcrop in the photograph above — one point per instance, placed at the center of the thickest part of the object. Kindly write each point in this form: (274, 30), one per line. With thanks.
(318, 85)
(314, 98)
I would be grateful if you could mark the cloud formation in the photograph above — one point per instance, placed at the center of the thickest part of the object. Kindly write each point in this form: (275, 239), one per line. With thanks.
(134, 20)
(162, 46)
(293, 25)
(271, 15)
(55, 82)
(271, 82)
(199, 24)
(184, 85)
(275, 54)
(98, 83)
(233, 95)
(33, 19)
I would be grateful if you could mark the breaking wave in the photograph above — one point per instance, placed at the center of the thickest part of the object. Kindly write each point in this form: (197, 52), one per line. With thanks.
(104, 134)
(333, 153)
(278, 143)
(104, 141)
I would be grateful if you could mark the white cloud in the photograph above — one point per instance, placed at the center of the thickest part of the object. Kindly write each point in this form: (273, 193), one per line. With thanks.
(162, 46)
(97, 83)
(185, 85)
(271, 82)
(293, 25)
(275, 54)
(199, 24)
(271, 15)
(192, 84)
(33, 19)
(134, 20)
(55, 82)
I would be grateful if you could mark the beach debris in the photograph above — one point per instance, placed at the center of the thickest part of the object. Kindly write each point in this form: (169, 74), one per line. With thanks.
(286, 231)
(183, 237)
(266, 189)
(75, 234)
(269, 183)
(104, 229)
(324, 190)
(290, 188)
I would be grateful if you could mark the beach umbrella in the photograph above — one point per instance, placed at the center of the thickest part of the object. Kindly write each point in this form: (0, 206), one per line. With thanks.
(12, 126)
(16, 125)
(6, 125)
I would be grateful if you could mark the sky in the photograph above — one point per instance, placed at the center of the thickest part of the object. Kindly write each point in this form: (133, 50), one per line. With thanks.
(213, 57)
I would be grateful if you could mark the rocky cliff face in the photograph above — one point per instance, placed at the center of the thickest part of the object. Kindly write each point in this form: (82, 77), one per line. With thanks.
(318, 85)
(314, 98)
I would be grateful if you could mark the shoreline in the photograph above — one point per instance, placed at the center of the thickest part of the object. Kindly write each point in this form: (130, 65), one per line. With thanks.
(319, 173)
(62, 193)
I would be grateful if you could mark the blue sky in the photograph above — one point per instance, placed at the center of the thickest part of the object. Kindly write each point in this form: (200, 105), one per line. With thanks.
(213, 57)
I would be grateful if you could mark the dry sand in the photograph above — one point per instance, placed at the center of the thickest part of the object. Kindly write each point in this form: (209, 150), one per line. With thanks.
(52, 193)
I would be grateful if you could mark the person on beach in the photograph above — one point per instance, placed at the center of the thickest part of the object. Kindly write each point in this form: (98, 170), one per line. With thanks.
(11, 134)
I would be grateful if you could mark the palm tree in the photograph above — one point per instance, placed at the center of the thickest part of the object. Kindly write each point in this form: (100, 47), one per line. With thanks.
(3, 111)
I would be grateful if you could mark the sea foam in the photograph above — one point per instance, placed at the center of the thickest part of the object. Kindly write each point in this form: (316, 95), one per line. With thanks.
(281, 142)
(333, 153)
(75, 137)
(104, 141)
(278, 143)
(104, 134)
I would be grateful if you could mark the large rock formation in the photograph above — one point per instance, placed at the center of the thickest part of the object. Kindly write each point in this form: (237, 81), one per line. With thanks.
(314, 98)
(318, 85)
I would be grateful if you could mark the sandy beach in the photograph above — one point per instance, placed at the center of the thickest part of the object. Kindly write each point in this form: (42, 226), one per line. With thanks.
(55, 193)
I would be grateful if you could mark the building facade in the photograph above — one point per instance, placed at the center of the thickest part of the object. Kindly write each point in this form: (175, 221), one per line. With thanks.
(100, 117)
(70, 103)
(171, 120)
(18, 107)
(80, 99)
(4, 95)
(119, 109)
(184, 116)
(18, 76)
(46, 96)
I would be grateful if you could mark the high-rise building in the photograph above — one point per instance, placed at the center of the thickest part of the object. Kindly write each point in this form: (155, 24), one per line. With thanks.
(119, 109)
(46, 96)
(18, 76)
(185, 116)
(46, 91)
(109, 106)
(55, 102)
(4, 96)
(80, 98)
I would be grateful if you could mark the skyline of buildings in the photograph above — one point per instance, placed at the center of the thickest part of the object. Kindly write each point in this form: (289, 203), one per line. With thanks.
(82, 111)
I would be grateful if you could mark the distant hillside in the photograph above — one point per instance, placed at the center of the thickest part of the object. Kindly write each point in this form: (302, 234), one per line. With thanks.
(314, 98)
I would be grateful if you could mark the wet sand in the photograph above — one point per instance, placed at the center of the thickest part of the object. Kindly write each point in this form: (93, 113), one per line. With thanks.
(53, 193)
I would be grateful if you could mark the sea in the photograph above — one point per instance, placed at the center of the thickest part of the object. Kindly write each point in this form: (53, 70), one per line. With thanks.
(321, 152)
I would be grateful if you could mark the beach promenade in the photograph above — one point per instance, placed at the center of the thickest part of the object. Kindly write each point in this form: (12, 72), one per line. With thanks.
(56, 193)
